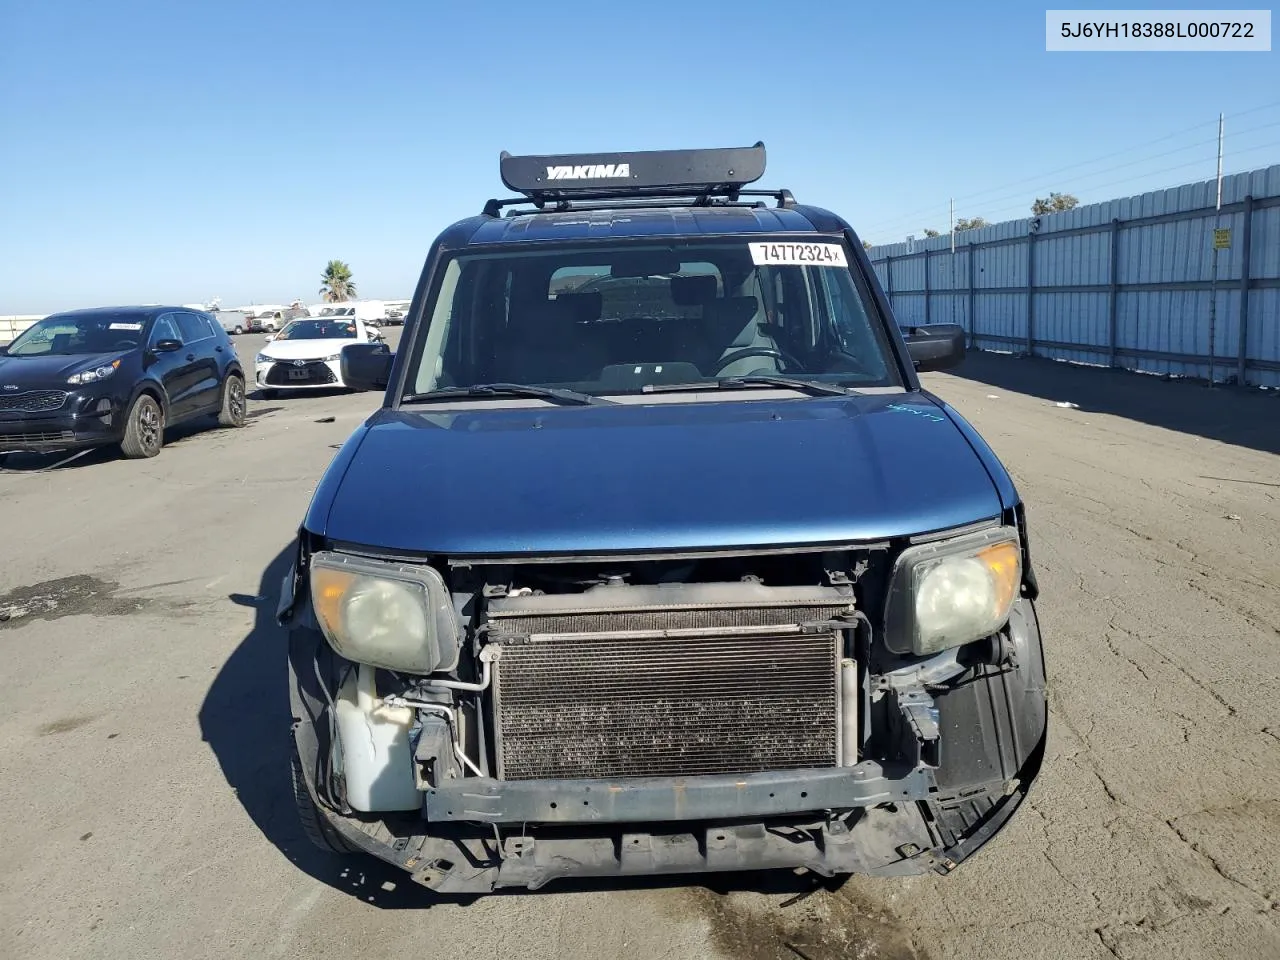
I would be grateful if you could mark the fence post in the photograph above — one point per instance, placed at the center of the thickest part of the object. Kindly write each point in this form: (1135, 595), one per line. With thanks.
(926, 287)
(972, 319)
(1031, 294)
(1114, 296)
(1242, 358)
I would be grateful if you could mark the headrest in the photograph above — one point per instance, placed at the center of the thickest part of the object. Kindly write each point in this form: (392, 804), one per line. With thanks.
(693, 291)
(736, 309)
(579, 307)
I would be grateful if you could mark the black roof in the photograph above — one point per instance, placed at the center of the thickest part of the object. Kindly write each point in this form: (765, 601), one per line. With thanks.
(146, 311)
(656, 193)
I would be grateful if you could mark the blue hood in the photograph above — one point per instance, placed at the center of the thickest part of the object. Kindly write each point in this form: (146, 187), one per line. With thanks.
(650, 477)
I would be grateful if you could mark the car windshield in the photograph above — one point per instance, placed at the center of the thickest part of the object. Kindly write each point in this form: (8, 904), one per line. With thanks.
(318, 330)
(608, 319)
(80, 335)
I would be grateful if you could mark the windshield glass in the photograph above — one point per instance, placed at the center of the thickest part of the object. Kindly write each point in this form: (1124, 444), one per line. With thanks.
(615, 320)
(83, 334)
(318, 330)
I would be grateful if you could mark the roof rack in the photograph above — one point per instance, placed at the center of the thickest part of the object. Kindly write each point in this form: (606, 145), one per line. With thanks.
(699, 177)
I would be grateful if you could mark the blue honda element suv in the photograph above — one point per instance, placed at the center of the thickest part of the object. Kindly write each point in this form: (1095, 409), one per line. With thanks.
(683, 570)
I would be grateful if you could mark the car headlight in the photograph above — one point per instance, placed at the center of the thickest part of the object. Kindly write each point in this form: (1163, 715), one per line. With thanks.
(263, 358)
(953, 592)
(94, 375)
(334, 358)
(395, 616)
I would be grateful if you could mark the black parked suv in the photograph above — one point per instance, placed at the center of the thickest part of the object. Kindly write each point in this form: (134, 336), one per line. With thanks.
(116, 375)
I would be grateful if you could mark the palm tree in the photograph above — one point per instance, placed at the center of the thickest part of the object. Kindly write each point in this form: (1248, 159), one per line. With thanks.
(338, 285)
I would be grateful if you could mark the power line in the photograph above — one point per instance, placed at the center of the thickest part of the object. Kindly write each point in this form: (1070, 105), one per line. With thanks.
(1153, 173)
(895, 225)
(915, 215)
(1120, 166)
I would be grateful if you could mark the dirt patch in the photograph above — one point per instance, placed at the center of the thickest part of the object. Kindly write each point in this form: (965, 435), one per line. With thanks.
(822, 926)
(66, 597)
(65, 725)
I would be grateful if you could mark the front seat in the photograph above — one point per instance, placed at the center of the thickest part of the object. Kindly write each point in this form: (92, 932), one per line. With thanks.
(741, 319)
(556, 342)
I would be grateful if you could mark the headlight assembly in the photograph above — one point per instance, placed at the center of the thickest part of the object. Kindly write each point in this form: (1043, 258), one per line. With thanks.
(94, 375)
(395, 616)
(263, 358)
(953, 592)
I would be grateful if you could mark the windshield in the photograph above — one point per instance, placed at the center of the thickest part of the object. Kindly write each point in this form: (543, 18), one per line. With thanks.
(318, 330)
(618, 320)
(83, 334)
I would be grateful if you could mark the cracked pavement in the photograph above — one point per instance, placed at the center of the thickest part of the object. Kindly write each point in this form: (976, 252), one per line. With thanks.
(148, 813)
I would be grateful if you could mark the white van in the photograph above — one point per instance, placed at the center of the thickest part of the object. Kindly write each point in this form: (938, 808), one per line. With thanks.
(370, 311)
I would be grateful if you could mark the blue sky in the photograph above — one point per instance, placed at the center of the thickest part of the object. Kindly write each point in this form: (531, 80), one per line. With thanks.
(161, 151)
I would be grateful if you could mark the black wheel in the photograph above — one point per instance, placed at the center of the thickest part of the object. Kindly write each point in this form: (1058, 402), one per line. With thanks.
(314, 824)
(233, 413)
(144, 430)
(239, 330)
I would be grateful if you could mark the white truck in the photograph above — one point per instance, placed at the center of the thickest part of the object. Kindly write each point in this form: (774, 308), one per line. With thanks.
(370, 311)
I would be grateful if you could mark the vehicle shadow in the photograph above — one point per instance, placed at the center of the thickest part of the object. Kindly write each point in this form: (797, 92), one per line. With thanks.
(1242, 417)
(245, 720)
(305, 393)
(74, 460)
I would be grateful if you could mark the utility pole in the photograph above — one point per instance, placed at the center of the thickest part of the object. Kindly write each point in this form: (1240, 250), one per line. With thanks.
(953, 260)
(1213, 284)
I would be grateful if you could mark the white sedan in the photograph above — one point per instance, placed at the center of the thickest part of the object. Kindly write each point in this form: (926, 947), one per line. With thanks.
(306, 353)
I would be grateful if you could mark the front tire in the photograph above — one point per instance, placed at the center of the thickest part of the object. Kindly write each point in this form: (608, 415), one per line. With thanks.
(144, 429)
(233, 413)
(313, 822)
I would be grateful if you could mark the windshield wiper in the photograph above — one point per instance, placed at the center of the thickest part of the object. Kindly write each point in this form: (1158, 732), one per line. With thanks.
(811, 387)
(555, 395)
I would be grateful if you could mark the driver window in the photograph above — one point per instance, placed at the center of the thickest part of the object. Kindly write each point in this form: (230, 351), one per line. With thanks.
(165, 329)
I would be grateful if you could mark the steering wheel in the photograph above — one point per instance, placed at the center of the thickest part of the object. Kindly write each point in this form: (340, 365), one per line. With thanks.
(788, 360)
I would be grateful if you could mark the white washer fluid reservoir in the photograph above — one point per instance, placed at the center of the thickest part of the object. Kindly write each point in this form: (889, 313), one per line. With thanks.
(376, 756)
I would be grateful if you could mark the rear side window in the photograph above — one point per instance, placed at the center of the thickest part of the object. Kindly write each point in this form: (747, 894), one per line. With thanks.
(193, 327)
(210, 324)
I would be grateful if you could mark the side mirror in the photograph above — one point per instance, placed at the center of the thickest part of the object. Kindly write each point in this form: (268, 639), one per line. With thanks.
(270, 337)
(938, 346)
(4, 349)
(366, 366)
(166, 346)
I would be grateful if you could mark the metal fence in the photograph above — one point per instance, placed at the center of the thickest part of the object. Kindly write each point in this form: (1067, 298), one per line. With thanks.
(1126, 283)
(12, 325)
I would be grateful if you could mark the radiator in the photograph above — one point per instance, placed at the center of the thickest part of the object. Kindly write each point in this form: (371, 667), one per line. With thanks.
(667, 681)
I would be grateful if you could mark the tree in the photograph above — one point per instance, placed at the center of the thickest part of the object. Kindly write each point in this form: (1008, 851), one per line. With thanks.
(970, 223)
(338, 285)
(1054, 203)
(931, 233)
(866, 244)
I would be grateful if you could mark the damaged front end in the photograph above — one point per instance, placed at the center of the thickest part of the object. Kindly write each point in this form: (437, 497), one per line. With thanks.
(502, 723)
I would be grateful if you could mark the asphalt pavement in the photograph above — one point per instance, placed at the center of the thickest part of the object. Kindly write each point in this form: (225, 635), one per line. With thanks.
(143, 740)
